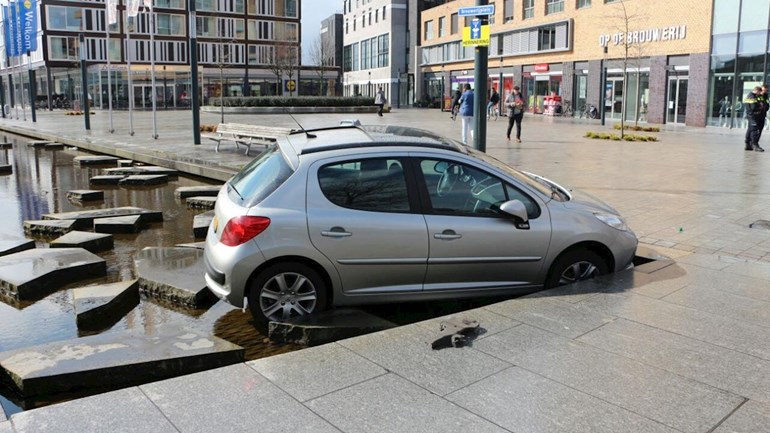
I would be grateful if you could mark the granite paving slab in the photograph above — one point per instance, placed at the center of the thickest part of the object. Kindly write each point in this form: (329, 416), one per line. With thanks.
(124, 411)
(677, 402)
(47, 228)
(114, 359)
(10, 245)
(748, 287)
(722, 331)
(192, 191)
(232, 399)
(143, 170)
(201, 202)
(721, 368)
(391, 404)
(93, 242)
(174, 275)
(201, 223)
(144, 180)
(522, 401)
(198, 245)
(304, 374)
(85, 218)
(105, 180)
(32, 273)
(406, 351)
(95, 160)
(326, 326)
(489, 322)
(121, 224)
(718, 302)
(759, 270)
(752, 417)
(103, 305)
(85, 195)
(717, 262)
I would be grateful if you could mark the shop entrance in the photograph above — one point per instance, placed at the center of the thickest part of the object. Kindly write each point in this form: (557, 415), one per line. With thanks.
(677, 99)
(143, 95)
(613, 102)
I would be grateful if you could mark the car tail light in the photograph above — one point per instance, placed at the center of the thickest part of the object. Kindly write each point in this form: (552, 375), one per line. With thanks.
(241, 229)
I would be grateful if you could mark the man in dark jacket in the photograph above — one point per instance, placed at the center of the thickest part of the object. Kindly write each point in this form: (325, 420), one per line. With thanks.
(755, 103)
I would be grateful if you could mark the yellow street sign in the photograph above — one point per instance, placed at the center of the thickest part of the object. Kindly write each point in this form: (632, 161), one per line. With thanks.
(476, 36)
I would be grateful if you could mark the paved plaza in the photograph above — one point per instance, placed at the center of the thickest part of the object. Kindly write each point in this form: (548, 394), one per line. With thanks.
(678, 345)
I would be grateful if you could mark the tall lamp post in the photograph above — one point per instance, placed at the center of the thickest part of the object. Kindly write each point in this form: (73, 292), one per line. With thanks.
(196, 116)
(398, 89)
(84, 84)
(443, 88)
(369, 86)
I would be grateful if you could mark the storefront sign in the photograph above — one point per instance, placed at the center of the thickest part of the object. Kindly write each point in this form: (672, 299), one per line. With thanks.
(645, 36)
(541, 67)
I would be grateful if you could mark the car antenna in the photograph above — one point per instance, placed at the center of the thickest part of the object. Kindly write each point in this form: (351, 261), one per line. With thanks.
(301, 128)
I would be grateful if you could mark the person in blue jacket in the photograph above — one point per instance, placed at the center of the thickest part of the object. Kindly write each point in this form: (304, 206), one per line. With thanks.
(466, 112)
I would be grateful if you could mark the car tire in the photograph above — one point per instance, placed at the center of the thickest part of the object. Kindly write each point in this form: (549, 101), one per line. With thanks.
(575, 265)
(271, 297)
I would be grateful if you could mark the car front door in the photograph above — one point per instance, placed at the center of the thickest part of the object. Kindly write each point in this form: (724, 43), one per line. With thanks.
(362, 216)
(472, 245)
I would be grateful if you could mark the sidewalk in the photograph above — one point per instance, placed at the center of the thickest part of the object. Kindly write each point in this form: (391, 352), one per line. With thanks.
(682, 348)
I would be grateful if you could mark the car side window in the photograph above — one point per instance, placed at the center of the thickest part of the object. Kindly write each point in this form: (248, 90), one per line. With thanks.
(459, 189)
(374, 184)
(533, 210)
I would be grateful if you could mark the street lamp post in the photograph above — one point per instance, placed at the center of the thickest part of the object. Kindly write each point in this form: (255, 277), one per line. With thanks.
(443, 89)
(84, 84)
(369, 86)
(194, 75)
(398, 89)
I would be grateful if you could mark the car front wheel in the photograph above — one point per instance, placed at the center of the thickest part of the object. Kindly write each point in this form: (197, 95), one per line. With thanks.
(284, 291)
(574, 266)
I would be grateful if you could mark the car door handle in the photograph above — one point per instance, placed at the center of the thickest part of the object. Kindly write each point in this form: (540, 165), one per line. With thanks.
(447, 234)
(336, 232)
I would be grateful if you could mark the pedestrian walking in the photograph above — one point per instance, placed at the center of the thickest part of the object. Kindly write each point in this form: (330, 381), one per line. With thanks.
(466, 112)
(456, 103)
(754, 103)
(494, 99)
(514, 102)
(380, 100)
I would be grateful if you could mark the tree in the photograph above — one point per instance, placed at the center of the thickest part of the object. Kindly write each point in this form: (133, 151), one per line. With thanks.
(285, 54)
(321, 53)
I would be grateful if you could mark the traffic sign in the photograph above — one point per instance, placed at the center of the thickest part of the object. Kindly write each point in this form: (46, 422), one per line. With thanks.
(476, 34)
(476, 10)
(291, 85)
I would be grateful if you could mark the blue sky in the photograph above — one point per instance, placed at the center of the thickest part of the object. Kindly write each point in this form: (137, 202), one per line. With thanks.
(313, 12)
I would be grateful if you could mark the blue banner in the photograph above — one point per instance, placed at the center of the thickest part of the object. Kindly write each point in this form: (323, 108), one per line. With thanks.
(28, 27)
(12, 25)
(16, 13)
(7, 31)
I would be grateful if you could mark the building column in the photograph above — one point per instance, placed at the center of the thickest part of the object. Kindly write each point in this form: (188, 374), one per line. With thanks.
(517, 79)
(656, 109)
(594, 91)
(697, 95)
(567, 82)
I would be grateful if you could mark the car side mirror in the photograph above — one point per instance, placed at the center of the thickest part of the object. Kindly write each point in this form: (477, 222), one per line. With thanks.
(518, 211)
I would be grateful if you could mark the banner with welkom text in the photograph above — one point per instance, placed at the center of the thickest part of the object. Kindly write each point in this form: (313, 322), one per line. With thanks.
(28, 25)
(11, 47)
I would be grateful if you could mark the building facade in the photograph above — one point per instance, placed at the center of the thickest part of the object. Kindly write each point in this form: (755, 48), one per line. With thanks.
(331, 41)
(243, 49)
(655, 54)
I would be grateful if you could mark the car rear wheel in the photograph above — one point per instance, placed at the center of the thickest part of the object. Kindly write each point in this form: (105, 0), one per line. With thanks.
(574, 266)
(286, 290)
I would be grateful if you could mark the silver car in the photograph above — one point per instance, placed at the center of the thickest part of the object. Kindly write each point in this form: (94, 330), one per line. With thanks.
(357, 215)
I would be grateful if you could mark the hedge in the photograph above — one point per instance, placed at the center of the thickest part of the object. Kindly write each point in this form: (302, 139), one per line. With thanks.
(297, 101)
(616, 137)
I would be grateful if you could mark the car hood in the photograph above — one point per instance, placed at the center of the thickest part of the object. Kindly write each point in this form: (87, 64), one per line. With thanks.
(585, 201)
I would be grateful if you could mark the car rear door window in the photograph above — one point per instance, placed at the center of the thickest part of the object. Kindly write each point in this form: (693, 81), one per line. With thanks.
(372, 184)
(261, 176)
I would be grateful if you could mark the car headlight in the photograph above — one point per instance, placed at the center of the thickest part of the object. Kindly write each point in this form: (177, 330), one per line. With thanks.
(613, 221)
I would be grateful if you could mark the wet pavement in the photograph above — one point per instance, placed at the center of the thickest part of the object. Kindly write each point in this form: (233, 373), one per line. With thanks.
(683, 347)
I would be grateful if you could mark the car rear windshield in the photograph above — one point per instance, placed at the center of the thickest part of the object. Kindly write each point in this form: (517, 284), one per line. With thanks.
(260, 177)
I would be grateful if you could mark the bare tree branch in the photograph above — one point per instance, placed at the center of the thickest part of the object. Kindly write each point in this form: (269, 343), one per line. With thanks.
(321, 53)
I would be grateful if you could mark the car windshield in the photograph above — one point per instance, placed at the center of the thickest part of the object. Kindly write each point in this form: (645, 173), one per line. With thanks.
(536, 183)
(260, 177)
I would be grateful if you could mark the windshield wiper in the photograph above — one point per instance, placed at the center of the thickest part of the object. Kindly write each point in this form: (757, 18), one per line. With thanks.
(236, 191)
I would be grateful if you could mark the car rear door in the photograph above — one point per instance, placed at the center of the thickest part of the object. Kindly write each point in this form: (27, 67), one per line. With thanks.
(364, 218)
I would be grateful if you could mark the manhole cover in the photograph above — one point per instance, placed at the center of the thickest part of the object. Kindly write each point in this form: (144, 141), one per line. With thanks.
(761, 224)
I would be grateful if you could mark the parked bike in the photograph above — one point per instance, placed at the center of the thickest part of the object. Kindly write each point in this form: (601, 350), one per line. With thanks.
(589, 111)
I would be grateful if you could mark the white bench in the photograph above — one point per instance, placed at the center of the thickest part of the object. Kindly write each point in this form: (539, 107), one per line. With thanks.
(243, 134)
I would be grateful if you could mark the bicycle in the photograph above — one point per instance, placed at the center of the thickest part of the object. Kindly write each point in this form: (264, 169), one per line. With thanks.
(589, 111)
(566, 109)
(455, 110)
(493, 113)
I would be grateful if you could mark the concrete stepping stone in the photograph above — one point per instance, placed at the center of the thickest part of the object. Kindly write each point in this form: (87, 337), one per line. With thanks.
(114, 359)
(38, 143)
(105, 179)
(85, 218)
(174, 275)
(198, 245)
(32, 273)
(121, 224)
(197, 191)
(101, 306)
(142, 170)
(96, 160)
(327, 327)
(201, 223)
(6, 169)
(144, 180)
(47, 228)
(10, 245)
(93, 242)
(201, 202)
(6, 145)
(85, 195)
(125, 163)
(54, 146)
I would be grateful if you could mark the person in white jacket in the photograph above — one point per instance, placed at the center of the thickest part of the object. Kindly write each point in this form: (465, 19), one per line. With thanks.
(380, 100)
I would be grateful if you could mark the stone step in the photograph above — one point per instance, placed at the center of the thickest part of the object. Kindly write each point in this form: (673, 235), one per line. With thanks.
(201, 202)
(54, 146)
(85, 218)
(199, 245)
(10, 245)
(142, 170)
(174, 275)
(96, 160)
(6, 145)
(92, 242)
(34, 273)
(114, 359)
(101, 306)
(121, 224)
(38, 143)
(105, 180)
(85, 195)
(125, 163)
(326, 327)
(201, 223)
(144, 180)
(6, 169)
(47, 228)
(196, 191)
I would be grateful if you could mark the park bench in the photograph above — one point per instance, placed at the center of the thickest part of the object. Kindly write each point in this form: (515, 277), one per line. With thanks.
(246, 135)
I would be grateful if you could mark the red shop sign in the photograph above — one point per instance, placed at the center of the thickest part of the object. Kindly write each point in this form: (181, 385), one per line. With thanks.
(541, 67)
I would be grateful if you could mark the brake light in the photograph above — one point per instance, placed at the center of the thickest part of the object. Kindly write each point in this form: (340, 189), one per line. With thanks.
(243, 228)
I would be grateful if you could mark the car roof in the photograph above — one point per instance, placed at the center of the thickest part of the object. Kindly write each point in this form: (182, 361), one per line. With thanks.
(305, 142)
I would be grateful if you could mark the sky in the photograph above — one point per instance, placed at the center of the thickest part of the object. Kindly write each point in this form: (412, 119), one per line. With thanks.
(313, 12)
